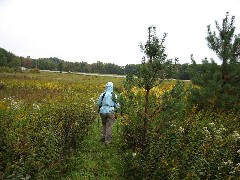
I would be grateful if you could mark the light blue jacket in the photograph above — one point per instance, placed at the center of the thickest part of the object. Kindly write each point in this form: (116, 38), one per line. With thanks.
(107, 103)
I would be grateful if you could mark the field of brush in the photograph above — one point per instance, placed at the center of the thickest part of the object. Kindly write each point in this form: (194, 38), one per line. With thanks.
(44, 119)
(50, 129)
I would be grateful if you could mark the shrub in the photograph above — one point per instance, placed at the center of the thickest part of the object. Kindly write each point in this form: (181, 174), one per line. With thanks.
(39, 142)
(9, 70)
(35, 70)
(183, 143)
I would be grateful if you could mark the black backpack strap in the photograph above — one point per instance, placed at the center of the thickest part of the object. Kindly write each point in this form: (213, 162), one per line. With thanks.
(102, 98)
(101, 102)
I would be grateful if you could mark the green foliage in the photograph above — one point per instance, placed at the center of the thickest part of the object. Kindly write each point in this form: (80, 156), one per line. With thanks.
(183, 143)
(9, 70)
(226, 44)
(219, 86)
(8, 59)
(207, 80)
(132, 69)
(155, 66)
(195, 147)
(15, 63)
(164, 110)
(3, 60)
(98, 161)
(41, 132)
(56, 64)
(182, 72)
(35, 70)
(40, 142)
(191, 133)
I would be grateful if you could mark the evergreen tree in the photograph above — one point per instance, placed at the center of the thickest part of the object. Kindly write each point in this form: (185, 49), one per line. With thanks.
(3, 60)
(155, 68)
(15, 63)
(220, 85)
(60, 66)
(182, 70)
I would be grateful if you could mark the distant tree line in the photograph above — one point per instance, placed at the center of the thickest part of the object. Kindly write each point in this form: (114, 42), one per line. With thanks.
(8, 59)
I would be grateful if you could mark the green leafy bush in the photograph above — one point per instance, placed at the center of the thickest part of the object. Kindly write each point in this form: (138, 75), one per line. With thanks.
(183, 143)
(9, 69)
(35, 70)
(39, 142)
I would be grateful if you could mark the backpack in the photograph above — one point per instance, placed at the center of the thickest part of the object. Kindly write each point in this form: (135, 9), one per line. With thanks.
(113, 99)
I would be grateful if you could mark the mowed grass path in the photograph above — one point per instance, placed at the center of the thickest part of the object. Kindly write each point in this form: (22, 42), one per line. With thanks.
(96, 160)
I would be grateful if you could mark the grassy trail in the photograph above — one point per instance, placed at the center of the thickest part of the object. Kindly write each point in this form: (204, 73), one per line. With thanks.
(96, 160)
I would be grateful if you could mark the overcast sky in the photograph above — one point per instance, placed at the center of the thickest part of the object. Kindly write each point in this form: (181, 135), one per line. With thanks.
(109, 30)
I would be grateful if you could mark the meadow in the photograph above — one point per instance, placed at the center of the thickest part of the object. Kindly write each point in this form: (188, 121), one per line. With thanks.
(44, 119)
(50, 129)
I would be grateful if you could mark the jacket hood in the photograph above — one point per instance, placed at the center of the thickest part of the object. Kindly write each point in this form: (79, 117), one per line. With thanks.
(109, 87)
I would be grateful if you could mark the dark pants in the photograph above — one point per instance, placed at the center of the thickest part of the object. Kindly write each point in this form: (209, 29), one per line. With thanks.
(107, 124)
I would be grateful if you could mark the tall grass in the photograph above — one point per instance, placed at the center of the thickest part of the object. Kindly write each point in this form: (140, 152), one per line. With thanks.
(45, 118)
